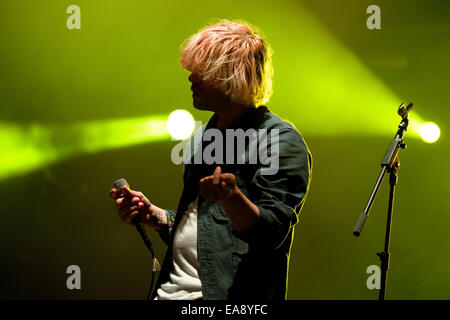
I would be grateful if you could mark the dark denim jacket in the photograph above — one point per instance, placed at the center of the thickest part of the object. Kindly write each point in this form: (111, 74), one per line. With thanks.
(254, 264)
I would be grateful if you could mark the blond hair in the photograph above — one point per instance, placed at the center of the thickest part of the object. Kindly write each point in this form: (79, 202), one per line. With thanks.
(233, 56)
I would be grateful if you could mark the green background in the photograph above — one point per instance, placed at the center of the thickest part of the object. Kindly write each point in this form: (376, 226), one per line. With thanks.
(336, 80)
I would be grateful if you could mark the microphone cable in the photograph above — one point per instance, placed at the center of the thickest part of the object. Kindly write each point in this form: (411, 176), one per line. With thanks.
(145, 238)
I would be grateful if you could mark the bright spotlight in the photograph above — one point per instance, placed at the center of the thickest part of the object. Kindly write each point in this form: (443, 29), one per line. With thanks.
(429, 132)
(180, 124)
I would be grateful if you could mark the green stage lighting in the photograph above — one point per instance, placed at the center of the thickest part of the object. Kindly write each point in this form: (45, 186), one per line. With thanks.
(332, 92)
(25, 148)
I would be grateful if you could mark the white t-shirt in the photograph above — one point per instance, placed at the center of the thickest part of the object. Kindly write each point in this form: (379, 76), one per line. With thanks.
(184, 282)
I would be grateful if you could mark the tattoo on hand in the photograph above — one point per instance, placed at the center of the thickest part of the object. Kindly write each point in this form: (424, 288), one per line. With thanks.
(160, 218)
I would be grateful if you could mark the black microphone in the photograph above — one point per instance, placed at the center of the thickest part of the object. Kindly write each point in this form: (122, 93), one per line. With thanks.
(137, 223)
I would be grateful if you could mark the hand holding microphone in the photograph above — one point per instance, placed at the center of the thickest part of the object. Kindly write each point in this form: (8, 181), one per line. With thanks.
(133, 207)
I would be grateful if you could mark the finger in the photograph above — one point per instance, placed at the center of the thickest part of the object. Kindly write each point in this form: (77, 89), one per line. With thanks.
(136, 200)
(204, 189)
(126, 211)
(216, 175)
(220, 189)
(129, 217)
(127, 192)
(146, 202)
(139, 197)
(113, 193)
(119, 202)
(122, 202)
(228, 178)
(211, 188)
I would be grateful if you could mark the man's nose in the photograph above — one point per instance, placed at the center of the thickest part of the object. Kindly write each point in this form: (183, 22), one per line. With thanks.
(194, 78)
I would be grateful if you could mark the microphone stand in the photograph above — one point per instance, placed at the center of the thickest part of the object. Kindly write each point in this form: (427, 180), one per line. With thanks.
(389, 164)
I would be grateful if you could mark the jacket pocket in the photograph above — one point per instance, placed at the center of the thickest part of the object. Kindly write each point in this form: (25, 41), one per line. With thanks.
(218, 214)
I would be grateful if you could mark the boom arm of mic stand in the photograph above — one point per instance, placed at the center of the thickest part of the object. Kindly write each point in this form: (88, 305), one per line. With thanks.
(387, 163)
(365, 214)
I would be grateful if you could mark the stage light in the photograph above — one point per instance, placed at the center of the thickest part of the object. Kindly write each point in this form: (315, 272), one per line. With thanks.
(429, 132)
(180, 124)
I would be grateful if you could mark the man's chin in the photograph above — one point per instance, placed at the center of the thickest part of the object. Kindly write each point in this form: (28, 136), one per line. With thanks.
(200, 106)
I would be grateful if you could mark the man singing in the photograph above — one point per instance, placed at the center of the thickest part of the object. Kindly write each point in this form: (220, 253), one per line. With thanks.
(231, 235)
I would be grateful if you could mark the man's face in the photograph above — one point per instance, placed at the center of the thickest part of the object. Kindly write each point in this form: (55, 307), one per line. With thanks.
(205, 95)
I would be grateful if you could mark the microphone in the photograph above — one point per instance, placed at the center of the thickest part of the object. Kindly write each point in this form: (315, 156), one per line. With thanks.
(138, 223)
